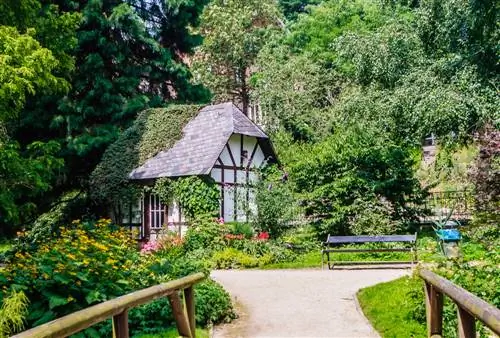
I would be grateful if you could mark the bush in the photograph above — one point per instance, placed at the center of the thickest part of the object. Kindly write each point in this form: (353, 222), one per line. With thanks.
(212, 305)
(88, 263)
(303, 238)
(205, 232)
(231, 258)
(356, 165)
(238, 228)
(274, 202)
(373, 218)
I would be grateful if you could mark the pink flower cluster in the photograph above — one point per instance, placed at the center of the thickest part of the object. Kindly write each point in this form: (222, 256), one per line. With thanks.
(219, 220)
(150, 247)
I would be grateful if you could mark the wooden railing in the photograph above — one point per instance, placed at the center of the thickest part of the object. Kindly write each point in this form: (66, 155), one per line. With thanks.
(118, 309)
(469, 307)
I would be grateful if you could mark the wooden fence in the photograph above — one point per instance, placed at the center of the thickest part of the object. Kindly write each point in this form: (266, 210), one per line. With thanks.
(118, 309)
(469, 307)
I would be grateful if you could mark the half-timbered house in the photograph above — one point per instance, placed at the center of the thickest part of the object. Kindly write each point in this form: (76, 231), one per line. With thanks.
(220, 142)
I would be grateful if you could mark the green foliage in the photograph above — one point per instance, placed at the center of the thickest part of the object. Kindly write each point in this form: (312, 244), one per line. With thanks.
(119, 47)
(292, 8)
(238, 228)
(88, 263)
(354, 166)
(393, 316)
(172, 333)
(205, 232)
(13, 313)
(275, 203)
(25, 68)
(197, 196)
(25, 175)
(231, 258)
(213, 305)
(234, 31)
(153, 131)
(485, 176)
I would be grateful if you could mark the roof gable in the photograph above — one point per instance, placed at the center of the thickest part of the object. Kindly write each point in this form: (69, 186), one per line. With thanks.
(204, 138)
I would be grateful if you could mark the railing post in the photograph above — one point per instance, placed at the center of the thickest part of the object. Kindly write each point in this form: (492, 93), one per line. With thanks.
(466, 324)
(179, 315)
(434, 310)
(189, 298)
(120, 325)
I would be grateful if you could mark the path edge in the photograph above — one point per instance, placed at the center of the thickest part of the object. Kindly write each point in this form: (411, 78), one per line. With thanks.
(360, 311)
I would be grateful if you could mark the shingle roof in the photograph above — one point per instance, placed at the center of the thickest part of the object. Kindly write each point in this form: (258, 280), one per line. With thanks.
(204, 138)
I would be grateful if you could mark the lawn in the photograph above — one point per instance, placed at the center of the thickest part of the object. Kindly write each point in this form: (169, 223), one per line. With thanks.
(426, 246)
(389, 308)
(172, 333)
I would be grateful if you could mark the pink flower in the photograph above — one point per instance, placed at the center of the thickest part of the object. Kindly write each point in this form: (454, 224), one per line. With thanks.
(150, 247)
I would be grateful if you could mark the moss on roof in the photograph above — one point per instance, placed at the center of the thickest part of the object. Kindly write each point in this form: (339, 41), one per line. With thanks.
(153, 131)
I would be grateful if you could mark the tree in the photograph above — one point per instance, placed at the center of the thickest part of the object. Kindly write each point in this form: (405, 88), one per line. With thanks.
(355, 168)
(234, 31)
(25, 68)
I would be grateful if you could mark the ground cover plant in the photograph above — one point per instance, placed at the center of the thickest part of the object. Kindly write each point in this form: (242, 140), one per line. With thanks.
(476, 270)
(85, 263)
(392, 316)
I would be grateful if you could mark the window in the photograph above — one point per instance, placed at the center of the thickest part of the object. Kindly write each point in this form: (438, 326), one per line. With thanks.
(156, 212)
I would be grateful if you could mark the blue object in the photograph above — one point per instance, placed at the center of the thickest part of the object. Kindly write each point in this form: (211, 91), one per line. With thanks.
(449, 235)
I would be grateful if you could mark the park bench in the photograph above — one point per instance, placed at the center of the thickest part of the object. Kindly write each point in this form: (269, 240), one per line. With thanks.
(333, 245)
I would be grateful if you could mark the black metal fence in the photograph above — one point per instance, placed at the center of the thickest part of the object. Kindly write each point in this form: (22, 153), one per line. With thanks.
(440, 204)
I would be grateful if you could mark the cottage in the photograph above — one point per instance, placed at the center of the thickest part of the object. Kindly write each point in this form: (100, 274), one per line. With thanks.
(220, 142)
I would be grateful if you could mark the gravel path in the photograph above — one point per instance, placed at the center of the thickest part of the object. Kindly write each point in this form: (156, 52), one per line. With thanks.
(298, 303)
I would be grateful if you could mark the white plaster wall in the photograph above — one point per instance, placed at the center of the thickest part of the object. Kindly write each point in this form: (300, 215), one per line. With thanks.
(248, 146)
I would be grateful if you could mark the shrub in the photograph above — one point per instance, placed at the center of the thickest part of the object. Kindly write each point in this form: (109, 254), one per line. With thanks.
(356, 163)
(13, 311)
(373, 218)
(231, 258)
(274, 202)
(205, 232)
(212, 305)
(303, 238)
(238, 228)
(87, 264)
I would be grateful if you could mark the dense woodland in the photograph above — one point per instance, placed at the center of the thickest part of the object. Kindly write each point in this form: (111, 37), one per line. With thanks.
(347, 90)
(334, 80)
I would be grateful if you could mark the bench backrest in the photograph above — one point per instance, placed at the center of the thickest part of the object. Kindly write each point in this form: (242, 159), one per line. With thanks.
(371, 239)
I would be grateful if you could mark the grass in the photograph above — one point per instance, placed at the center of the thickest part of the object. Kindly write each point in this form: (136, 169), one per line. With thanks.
(427, 251)
(388, 308)
(172, 333)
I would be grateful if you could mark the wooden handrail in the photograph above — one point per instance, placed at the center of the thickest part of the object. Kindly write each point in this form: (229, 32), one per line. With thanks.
(118, 309)
(470, 307)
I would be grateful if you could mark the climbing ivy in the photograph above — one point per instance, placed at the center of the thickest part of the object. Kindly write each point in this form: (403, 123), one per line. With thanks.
(154, 130)
(196, 195)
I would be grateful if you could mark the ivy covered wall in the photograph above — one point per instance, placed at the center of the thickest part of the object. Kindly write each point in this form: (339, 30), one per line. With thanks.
(154, 130)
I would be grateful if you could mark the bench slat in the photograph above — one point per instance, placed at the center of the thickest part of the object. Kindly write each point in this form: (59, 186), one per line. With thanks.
(368, 250)
(370, 239)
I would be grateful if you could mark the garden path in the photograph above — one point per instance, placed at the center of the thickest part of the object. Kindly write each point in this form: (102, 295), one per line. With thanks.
(299, 303)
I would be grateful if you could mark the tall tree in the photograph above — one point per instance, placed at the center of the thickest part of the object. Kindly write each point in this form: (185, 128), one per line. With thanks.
(234, 31)
(25, 68)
